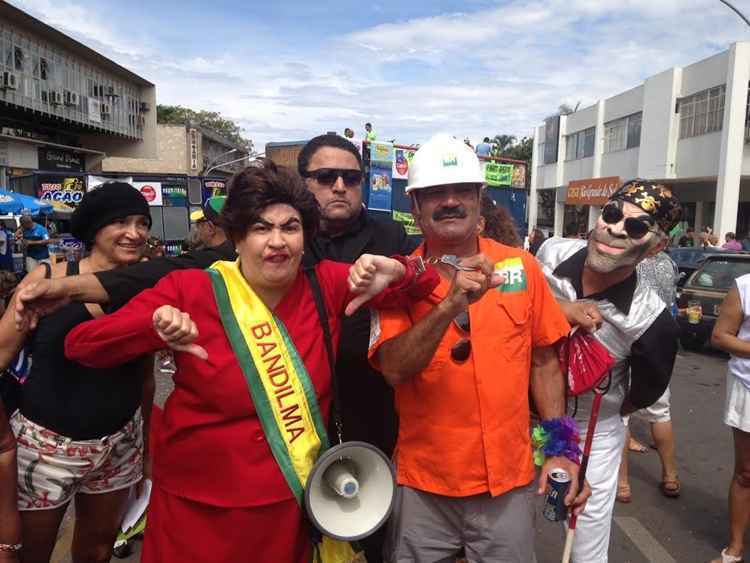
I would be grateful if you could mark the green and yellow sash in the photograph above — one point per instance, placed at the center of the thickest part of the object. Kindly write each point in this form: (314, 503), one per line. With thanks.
(280, 387)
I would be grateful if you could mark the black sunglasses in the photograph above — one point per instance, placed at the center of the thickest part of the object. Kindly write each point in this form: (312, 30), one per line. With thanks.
(462, 349)
(636, 228)
(328, 176)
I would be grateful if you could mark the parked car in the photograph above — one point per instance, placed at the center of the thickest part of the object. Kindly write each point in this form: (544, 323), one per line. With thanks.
(688, 259)
(703, 292)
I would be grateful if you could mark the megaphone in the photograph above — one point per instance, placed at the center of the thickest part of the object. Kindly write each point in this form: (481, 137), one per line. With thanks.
(350, 491)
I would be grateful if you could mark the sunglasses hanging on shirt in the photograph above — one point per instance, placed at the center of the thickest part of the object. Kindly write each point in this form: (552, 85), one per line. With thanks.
(462, 349)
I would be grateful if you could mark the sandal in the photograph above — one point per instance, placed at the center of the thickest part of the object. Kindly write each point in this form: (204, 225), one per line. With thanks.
(623, 494)
(670, 488)
(726, 558)
(635, 446)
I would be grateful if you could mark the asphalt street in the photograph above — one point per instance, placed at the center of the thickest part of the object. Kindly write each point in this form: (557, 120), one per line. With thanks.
(652, 529)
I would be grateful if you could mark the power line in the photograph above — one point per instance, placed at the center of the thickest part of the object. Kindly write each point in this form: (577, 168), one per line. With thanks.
(726, 2)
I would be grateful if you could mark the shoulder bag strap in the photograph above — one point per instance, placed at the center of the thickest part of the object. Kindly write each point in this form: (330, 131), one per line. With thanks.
(323, 316)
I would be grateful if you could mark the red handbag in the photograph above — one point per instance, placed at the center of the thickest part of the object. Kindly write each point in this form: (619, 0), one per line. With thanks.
(584, 361)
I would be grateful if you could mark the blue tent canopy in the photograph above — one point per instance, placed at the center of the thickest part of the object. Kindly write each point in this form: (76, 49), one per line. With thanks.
(15, 203)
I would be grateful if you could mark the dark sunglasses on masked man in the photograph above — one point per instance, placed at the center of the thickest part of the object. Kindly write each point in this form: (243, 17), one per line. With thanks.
(328, 176)
(636, 228)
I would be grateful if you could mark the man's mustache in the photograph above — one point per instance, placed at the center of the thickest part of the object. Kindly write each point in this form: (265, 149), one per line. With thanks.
(450, 212)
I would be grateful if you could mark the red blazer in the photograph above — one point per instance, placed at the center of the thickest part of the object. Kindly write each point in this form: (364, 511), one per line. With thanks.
(211, 447)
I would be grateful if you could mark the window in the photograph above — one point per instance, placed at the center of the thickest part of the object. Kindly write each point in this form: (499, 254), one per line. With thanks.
(20, 58)
(43, 68)
(9, 56)
(586, 148)
(623, 133)
(634, 130)
(551, 137)
(580, 144)
(702, 113)
(571, 147)
(614, 135)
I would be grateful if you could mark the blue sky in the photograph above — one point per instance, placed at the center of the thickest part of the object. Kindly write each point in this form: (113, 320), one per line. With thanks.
(289, 70)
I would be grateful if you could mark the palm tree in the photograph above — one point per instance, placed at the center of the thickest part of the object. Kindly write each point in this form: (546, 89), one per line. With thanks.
(501, 143)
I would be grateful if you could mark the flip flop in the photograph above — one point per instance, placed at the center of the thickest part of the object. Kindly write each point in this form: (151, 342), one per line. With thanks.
(623, 494)
(635, 446)
(670, 488)
(726, 558)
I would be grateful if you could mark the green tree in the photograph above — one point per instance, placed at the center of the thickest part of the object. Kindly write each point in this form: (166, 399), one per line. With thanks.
(509, 146)
(178, 115)
(501, 143)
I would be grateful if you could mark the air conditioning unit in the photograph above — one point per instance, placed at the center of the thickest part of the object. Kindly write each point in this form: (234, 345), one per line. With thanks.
(71, 98)
(9, 81)
(144, 107)
(106, 110)
(55, 97)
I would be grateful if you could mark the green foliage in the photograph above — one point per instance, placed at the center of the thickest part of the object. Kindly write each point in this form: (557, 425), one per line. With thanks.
(509, 146)
(178, 115)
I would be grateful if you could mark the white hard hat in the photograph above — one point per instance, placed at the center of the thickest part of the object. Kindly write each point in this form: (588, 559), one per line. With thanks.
(443, 160)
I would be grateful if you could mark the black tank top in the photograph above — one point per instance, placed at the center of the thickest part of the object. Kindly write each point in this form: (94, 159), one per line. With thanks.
(73, 400)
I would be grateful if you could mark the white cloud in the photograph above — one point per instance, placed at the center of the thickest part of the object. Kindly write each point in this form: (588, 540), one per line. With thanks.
(82, 23)
(490, 69)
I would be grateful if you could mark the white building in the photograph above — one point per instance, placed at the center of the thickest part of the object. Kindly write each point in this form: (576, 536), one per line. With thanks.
(687, 126)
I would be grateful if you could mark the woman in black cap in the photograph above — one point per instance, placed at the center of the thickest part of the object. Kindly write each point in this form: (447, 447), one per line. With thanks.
(78, 430)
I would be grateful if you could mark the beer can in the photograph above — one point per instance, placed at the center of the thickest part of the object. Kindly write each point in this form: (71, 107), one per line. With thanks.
(558, 483)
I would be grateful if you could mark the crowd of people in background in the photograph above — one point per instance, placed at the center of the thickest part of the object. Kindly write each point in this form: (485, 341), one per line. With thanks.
(297, 249)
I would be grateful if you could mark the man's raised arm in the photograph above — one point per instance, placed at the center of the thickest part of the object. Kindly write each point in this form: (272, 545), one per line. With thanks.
(115, 287)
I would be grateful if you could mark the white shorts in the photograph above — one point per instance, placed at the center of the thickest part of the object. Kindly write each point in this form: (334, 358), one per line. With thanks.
(658, 412)
(737, 406)
(53, 468)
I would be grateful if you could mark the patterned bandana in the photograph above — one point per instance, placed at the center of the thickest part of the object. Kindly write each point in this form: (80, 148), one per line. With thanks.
(655, 199)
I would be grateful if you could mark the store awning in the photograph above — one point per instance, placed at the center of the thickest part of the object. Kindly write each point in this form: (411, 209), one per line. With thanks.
(49, 144)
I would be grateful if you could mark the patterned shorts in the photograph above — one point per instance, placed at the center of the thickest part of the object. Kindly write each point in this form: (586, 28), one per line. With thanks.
(53, 468)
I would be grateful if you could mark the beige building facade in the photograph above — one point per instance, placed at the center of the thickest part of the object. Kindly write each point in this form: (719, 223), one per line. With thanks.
(58, 95)
(183, 149)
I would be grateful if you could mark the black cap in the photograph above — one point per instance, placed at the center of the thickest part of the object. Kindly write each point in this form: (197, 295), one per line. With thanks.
(103, 205)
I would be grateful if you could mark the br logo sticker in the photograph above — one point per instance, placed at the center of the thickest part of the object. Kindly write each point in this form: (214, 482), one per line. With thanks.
(515, 275)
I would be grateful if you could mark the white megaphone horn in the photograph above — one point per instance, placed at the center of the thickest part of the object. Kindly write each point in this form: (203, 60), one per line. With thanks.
(350, 491)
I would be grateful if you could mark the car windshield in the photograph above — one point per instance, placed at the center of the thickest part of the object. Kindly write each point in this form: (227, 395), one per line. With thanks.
(719, 274)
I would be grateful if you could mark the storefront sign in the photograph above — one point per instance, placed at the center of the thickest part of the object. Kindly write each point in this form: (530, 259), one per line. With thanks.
(57, 159)
(213, 188)
(380, 187)
(174, 195)
(193, 149)
(401, 162)
(594, 191)
(497, 174)
(151, 191)
(408, 222)
(52, 187)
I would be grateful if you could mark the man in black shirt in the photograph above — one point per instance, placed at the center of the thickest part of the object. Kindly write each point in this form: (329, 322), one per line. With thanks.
(333, 171)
